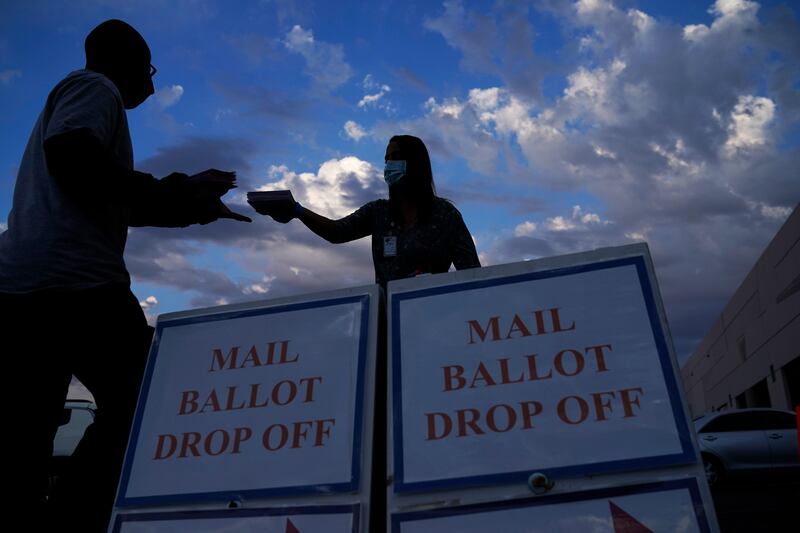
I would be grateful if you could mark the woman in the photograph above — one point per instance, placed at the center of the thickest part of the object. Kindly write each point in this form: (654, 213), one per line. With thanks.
(414, 232)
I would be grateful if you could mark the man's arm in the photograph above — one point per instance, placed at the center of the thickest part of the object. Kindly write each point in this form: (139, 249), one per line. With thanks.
(84, 168)
(86, 171)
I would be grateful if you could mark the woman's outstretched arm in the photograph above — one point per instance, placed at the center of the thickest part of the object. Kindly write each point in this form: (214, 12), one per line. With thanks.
(354, 226)
(333, 231)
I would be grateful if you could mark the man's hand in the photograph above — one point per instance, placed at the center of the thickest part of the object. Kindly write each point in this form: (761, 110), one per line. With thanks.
(176, 179)
(216, 182)
(184, 200)
(219, 181)
(225, 212)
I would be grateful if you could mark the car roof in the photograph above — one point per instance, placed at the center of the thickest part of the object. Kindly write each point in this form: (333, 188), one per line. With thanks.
(714, 414)
(79, 404)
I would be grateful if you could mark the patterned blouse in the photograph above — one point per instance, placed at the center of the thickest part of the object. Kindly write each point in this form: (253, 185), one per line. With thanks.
(425, 247)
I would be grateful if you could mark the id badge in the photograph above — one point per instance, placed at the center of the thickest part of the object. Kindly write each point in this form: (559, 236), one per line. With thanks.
(390, 246)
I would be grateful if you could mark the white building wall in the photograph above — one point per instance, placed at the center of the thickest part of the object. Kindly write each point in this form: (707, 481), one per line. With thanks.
(756, 335)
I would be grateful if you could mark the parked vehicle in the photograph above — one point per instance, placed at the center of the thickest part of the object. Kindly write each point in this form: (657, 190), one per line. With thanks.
(76, 417)
(748, 441)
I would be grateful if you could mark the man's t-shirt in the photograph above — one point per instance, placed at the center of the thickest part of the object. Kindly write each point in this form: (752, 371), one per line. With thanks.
(425, 247)
(55, 240)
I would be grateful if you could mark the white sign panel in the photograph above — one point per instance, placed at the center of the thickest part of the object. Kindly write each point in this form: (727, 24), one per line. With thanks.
(660, 507)
(336, 519)
(256, 402)
(565, 371)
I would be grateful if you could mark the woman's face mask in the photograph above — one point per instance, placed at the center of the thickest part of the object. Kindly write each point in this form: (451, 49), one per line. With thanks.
(394, 172)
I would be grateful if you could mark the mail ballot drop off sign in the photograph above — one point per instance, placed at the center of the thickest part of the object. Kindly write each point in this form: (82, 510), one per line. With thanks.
(565, 371)
(263, 401)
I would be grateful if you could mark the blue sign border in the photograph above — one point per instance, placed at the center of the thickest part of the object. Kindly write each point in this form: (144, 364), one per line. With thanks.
(355, 474)
(689, 484)
(687, 455)
(239, 513)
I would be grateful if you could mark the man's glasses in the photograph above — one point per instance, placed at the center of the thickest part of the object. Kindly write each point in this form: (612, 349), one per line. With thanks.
(153, 70)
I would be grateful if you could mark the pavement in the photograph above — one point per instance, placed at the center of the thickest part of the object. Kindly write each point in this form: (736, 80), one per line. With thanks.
(758, 505)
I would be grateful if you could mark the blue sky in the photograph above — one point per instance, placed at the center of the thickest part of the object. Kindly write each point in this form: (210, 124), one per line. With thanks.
(554, 126)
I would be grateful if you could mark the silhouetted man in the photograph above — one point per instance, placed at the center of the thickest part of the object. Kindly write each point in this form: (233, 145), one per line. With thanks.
(64, 287)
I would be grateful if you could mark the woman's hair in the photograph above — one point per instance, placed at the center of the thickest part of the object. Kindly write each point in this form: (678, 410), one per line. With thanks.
(418, 184)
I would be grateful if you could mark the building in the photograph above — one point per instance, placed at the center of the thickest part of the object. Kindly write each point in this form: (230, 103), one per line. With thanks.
(751, 355)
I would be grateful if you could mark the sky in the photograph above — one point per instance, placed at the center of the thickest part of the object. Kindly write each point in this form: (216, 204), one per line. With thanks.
(554, 126)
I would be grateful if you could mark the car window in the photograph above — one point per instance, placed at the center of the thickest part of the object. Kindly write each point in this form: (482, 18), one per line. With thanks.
(734, 422)
(70, 434)
(776, 420)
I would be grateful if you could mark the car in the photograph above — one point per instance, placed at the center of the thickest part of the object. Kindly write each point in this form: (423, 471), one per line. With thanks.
(76, 417)
(748, 441)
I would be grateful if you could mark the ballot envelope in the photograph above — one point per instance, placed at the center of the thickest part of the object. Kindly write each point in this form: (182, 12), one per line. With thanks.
(271, 202)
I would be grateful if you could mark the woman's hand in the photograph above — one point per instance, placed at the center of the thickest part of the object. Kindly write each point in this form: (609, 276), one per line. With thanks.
(283, 214)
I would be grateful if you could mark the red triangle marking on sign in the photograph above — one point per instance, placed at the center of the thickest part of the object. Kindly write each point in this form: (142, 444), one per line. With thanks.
(625, 523)
(291, 528)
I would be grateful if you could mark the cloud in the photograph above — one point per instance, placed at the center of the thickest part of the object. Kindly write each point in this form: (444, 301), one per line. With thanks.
(680, 135)
(339, 187)
(9, 75)
(271, 259)
(456, 128)
(195, 154)
(148, 303)
(263, 286)
(484, 192)
(499, 43)
(295, 261)
(449, 108)
(525, 229)
(749, 124)
(168, 96)
(565, 233)
(354, 131)
(325, 62)
(729, 16)
(375, 99)
(3, 226)
(450, 129)
(167, 263)
(369, 83)
(695, 32)
(578, 221)
(254, 101)
(677, 135)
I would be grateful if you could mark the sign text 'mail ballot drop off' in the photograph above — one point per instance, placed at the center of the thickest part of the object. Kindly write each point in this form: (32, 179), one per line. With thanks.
(274, 395)
(564, 371)
(259, 401)
(566, 363)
